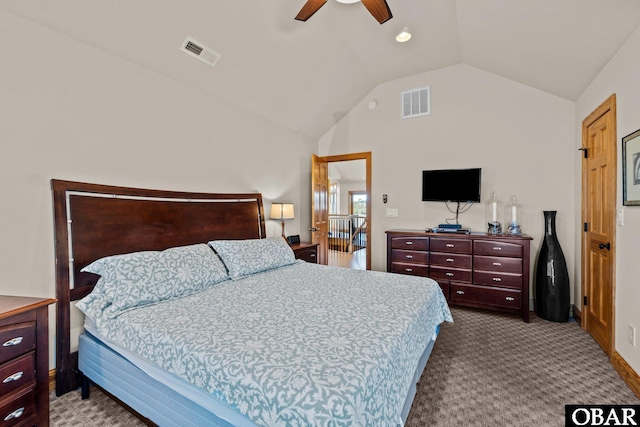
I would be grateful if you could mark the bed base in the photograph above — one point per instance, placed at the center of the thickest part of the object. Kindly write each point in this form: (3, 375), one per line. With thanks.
(161, 404)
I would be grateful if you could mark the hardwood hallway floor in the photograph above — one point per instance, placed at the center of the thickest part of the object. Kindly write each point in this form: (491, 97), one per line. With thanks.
(356, 260)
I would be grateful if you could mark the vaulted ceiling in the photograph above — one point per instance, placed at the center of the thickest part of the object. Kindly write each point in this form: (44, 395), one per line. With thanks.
(308, 75)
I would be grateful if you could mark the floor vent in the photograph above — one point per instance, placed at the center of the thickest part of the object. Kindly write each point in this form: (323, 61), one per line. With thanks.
(197, 50)
(416, 102)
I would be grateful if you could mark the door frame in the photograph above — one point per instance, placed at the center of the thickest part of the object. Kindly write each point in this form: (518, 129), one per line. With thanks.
(608, 105)
(359, 156)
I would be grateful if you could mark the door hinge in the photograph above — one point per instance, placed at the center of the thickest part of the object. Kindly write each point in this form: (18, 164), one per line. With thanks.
(586, 227)
(584, 302)
(584, 152)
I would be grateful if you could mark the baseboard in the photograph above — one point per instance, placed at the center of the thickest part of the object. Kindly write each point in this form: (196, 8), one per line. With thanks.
(577, 314)
(626, 372)
(52, 380)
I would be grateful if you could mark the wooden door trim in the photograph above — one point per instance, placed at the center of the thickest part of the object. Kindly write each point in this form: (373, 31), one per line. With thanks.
(609, 105)
(367, 157)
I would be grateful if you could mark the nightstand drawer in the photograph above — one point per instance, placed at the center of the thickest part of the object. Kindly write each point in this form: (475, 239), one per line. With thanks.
(16, 340)
(17, 373)
(308, 255)
(18, 410)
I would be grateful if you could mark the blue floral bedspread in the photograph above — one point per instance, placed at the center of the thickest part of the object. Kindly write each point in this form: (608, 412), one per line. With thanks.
(301, 345)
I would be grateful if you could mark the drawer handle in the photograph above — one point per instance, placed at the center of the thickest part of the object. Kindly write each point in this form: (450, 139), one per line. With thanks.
(497, 248)
(15, 414)
(409, 243)
(449, 260)
(460, 292)
(497, 263)
(408, 269)
(497, 279)
(13, 342)
(510, 298)
(451, 245)
(312, 255)
(14, 377)
(409, 256)
(449, 274)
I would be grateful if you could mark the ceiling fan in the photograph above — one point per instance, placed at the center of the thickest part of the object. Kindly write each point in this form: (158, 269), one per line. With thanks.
(378, 8)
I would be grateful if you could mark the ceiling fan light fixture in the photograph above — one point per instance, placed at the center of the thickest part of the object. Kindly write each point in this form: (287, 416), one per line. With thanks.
(403, 36)
(347, 1)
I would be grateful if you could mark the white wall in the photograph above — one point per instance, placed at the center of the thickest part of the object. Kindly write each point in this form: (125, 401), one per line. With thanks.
(345, 187)
(620, 76)
(522, 138)
(69, 111)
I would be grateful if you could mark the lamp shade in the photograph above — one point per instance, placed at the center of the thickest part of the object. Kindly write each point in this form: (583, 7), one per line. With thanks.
(281, 211)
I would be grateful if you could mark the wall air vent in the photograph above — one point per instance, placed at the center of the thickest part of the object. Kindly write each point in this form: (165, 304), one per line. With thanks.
(416, 102)
(198, 50)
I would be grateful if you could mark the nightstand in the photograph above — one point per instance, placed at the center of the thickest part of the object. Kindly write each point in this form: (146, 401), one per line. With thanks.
(306, 251)
(24, 361)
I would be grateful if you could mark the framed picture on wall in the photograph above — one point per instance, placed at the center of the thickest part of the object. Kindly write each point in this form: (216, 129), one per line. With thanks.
(631, 169)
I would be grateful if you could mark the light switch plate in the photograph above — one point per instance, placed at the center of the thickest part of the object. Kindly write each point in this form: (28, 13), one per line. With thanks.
(392, 213)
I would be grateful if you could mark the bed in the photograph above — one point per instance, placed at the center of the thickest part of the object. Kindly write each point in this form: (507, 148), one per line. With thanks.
(258, 338)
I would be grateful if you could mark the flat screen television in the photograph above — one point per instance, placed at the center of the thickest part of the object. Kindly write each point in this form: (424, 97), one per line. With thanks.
(451, 185)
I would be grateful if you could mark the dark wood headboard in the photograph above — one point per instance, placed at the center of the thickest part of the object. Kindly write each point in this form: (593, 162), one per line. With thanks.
(93, 221)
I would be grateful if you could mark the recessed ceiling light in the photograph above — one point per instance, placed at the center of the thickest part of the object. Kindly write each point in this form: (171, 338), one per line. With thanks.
(403, 36)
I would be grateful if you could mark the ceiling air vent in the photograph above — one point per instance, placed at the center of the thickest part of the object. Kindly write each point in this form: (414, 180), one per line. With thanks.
(416, 102)
(198, 50)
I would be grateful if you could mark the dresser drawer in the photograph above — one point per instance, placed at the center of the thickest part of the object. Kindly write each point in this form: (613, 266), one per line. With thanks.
(443, 273)
(17, 373)
(457, 246)
(498, 279)
(450, 260)
(495, 248)
(484, 295)
(411, 257)
(412, 243)
(413, 269)
(444, 285)
(18, 410)
(17, 339)
(499, 264)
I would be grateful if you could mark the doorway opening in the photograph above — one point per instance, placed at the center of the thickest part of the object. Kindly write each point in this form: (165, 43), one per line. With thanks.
(348, 211)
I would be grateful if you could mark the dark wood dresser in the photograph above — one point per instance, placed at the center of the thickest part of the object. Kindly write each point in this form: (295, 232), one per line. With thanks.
(24, 361)
(306, 251)
(473, 270)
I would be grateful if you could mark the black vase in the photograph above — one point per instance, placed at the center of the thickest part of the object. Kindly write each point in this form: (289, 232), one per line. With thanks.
(552, 277)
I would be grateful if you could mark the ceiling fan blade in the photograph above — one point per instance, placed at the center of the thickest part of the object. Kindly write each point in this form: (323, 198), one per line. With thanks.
(379, 9)
(309, 8)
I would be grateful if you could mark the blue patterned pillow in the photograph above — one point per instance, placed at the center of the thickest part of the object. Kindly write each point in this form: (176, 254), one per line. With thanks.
(246, 257)
(143, 278)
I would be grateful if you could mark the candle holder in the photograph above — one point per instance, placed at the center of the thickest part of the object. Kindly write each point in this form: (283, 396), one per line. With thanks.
(513, 217)
(494, 215)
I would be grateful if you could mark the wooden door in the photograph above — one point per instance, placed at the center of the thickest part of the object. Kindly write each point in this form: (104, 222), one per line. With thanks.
(320, 207)
(598, 213)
